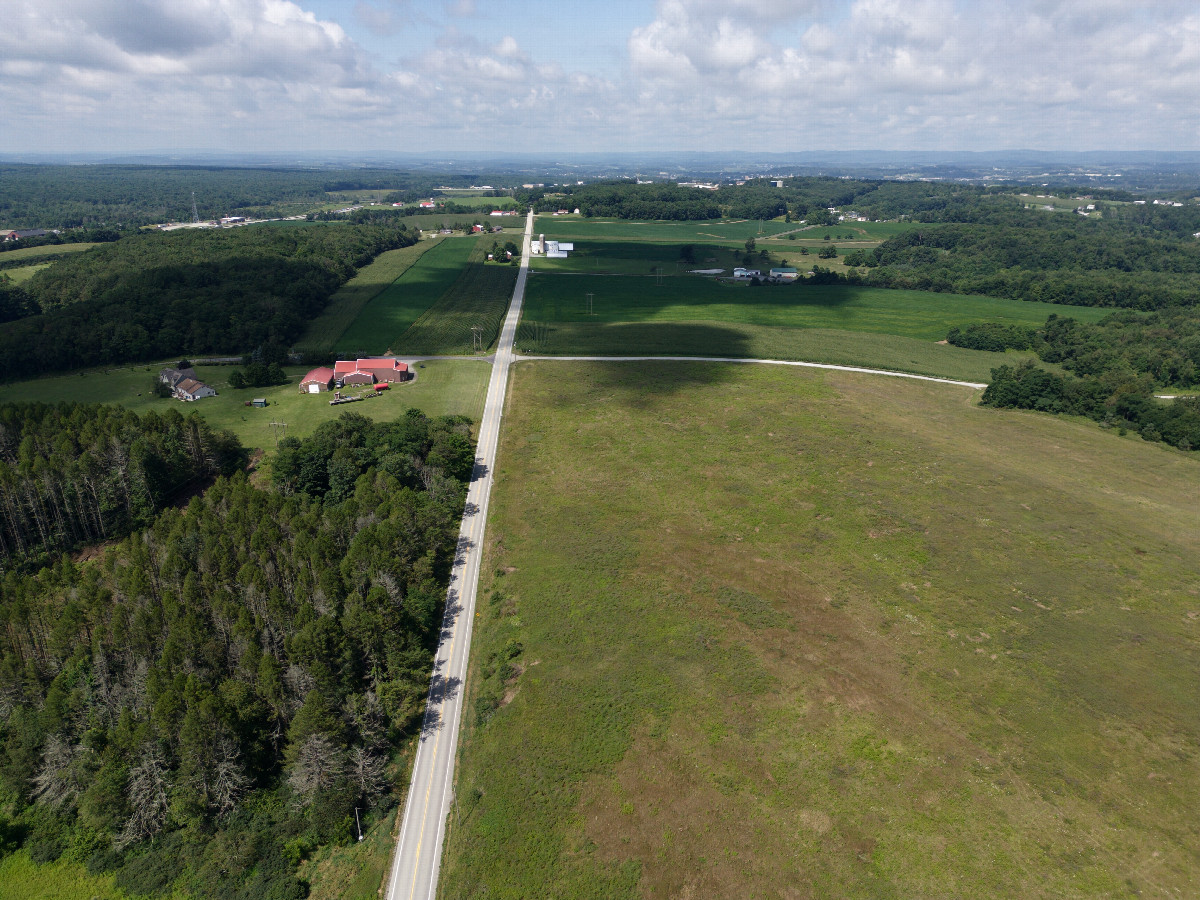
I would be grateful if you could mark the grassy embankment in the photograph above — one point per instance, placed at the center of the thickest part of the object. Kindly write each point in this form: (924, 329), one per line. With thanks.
(758, 633)
(442, 387)
(695, 316)
(347, 304)
(22, 879)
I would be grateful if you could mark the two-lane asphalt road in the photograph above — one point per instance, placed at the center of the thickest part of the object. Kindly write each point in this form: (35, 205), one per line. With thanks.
(418, 852)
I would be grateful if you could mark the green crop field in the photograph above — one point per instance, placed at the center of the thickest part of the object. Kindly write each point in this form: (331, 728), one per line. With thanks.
(389, 313)
(722, 230)
(751, 632)
(840, 324)
(442, 387)
(346, 305)
(919, 314)
(820, 345)
(478, 299)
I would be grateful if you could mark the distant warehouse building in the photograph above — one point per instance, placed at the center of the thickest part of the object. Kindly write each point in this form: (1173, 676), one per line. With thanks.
(784, 273)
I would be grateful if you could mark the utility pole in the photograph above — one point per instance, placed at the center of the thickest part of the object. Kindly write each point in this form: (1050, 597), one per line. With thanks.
(358, 823)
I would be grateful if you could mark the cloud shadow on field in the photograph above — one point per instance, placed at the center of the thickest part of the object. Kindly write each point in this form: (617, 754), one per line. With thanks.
(637, 382)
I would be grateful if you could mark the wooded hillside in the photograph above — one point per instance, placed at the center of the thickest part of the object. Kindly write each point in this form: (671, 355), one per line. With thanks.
(213, 699)
(157, 295)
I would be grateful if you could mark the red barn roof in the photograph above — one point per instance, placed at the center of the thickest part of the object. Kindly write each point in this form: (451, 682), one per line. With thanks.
(322, 375)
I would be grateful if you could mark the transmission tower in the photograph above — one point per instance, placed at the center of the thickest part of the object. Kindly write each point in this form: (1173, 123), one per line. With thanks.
(589, 303)
(476, 337)
(195, 215)
(278, 430)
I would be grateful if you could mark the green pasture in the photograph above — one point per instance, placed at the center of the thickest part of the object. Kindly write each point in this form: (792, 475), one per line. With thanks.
(442, 387)
(572, 227)
(753, 632)
(346, 305)
(45, 250)
(22, 274)
(918, 314)
(390, 312)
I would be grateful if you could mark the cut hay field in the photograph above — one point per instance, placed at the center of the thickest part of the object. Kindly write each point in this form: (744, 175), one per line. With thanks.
(389, 313)
(747, 632)
(346, 305)
(442, 387)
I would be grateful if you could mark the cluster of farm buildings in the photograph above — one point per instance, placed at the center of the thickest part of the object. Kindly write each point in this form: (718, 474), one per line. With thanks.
(185, 385)
(349, 372)
(550, 249)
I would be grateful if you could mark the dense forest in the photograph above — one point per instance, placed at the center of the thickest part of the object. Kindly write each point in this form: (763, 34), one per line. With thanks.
(212, 699)
(73, 474)
(156, 295)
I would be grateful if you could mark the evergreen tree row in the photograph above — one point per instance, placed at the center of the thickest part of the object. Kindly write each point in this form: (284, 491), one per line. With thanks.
(73, 474)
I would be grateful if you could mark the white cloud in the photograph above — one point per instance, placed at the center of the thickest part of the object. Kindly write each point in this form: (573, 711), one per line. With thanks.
(720, 74)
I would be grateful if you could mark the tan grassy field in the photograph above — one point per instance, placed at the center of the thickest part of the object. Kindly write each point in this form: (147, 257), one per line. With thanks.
(760, 633)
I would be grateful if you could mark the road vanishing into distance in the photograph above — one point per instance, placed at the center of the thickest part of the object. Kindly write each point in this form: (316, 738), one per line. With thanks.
(418, 853)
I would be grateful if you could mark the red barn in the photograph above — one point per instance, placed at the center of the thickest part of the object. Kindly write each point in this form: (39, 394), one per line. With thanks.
(320, 379)
(370, 371)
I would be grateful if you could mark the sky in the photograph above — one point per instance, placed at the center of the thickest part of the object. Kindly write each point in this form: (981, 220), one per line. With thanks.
(534, 76)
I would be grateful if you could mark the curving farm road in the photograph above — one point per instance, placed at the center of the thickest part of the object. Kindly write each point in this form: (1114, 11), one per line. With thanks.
(418, 853)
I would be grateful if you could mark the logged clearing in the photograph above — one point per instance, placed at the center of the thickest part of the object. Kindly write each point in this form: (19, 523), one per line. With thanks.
(750, 632)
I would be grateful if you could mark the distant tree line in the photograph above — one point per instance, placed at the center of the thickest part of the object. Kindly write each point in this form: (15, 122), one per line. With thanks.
(209, 702)
(1051, 259)
(43, 196)
(184, 293)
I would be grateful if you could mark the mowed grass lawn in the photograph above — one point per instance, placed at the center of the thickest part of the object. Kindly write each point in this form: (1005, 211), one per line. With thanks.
(750, 632)
(389, 313)
(442, 387)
